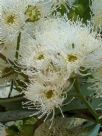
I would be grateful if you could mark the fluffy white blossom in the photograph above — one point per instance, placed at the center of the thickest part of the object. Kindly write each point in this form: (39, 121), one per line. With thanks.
(45, 97)
(12, 19)
(96, 8)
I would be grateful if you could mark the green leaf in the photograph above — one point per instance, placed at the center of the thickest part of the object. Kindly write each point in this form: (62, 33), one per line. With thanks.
(12, 131)
(27, 130)
(94, 131)
(68, 127)
(14, 115)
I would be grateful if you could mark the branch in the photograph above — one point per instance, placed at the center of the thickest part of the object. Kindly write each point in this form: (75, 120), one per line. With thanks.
(16, 67)
(12, 99)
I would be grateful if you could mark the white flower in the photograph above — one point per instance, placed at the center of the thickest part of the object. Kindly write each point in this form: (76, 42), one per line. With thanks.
(45, 97)
(33, 54)
(96, 8)
(73, 58)
(96, 81)
(12, 19)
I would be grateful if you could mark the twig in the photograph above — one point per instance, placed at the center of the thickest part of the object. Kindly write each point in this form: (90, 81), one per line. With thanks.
(11, 88)
(18, 46)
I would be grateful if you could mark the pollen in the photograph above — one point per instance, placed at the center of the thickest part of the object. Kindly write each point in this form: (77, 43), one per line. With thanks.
(40, 57)
(72, 58)
(10, 19)
(49, 94)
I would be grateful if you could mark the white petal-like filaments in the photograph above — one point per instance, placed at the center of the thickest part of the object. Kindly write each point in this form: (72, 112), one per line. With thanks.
(46, 98)
(12, 19)
(52, 57)
(58, 35)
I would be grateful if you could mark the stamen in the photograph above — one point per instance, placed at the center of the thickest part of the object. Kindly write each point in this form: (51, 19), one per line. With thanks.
(61, 111)
(47, 116)
(72, 58)
(53, 115)
(11, 19)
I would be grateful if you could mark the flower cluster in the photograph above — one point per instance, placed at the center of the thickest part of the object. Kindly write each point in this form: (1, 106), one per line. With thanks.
(49, 49)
